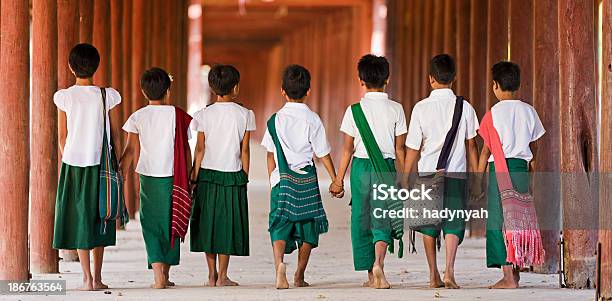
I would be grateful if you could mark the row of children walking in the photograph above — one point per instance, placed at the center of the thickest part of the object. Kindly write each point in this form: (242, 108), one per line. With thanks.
(376, 138)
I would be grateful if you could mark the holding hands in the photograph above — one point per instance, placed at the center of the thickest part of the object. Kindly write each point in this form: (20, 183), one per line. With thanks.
(336, 188)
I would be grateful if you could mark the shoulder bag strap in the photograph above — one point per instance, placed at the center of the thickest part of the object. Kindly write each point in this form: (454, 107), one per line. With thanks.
(283, 166)
(493, 142)
(451, 135)
(369, 141)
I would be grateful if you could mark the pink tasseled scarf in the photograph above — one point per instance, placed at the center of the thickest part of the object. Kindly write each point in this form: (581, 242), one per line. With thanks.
(181, 198)
(521, 230)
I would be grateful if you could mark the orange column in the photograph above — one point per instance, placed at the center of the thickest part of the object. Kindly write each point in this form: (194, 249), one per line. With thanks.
(101, 40)
(86, 13)
(417, 77)
(116, 63)
(497, 42)
(43, 174)
(14, 134)
(450, 29)
(579, 138)
(605, 206)
(521, 44)
(463, 42)
(67, 37)
(546, 102)
(479, 86)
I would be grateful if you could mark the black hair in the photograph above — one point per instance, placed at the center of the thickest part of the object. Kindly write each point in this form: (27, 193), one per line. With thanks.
(155, 83)
(443, 69)
(296, 81)
(373, 71)
(223, 78)
(507, 75)
(84, 60)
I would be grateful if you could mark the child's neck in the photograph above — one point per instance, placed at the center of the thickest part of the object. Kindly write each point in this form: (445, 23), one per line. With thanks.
(84, 81)
(301, 100)
(156, 102)
(379, 90)
(437, 86)
(226, 98)
(507, 96)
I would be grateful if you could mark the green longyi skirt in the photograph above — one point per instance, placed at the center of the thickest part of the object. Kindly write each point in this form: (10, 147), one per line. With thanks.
(156, 219)
(77, 217)
(220, 214)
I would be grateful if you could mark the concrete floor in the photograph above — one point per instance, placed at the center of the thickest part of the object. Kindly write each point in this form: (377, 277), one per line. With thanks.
(330, 271)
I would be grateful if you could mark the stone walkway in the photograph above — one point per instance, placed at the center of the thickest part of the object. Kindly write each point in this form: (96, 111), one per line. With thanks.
(330, 271)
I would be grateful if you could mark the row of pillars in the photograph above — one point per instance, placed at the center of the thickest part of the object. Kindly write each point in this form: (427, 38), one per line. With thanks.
(555, 43)
(131, 35)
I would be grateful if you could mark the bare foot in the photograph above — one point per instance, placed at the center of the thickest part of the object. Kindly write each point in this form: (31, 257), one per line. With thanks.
(450, 283)
(281, 277)
(435, 281)
(212, 280)
(226, 282)
(367, 284)
(505, 284)
(158, 286)
(380, 282)
(517, 275)
(170, 283)
(98, 285)
(87, 286)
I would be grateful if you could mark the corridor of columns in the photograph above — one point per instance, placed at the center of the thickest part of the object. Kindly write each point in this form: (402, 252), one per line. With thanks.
(563, 48)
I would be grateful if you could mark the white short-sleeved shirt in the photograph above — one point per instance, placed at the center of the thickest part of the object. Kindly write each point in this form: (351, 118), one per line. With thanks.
(301, 134)
(386, 119)
(430, 121)
(83, 108)
(224, 125)
(155, 126)
(517, 124)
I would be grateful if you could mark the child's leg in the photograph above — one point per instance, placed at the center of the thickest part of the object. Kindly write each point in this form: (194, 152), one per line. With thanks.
(278, 247)
(452, 242)
(98, 258)
(429, 243)
(378, 270)
(160, 278)
(223, 280)
(303, 257)
(167, 275)
(509, 280)
(87, 278)
(211, 261)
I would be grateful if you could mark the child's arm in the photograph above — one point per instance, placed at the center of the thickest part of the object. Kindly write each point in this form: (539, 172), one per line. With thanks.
(335, 189)
(198, 156)
(476, 189)
(129, 152)
(115, 128)
(245, 152)
(534, 151)
(472, 155)
(412, 157)
(484, 157)
(400, 151)
(62, 130)
(271, 163)
(347, 153)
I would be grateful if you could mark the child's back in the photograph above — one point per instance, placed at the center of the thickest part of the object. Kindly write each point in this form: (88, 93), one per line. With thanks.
(83, 108)
(224, 125)
(301, 134)
(155, 126)
(517, 124)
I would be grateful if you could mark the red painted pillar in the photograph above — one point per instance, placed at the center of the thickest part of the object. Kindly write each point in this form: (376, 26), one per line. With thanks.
(521, 43)
(67, 37)
(479, 85)
(546, 102)
(428, 23)
(138, 66)
(14, 134)
(417, 77)
(605, 206)
(194, 89)
(578, 132)
(463, 42)
(102, 40)
(450, 29)
(438, 30)
(86, 13)
(497, 46)
(116, 64)
(43, 174)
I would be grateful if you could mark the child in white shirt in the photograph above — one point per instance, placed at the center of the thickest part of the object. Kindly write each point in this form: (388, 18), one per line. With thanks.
(300, 135)
(77, 221)
(387, 122)
(518, 126)
(151, 139)
(430, 122)
(220, 218)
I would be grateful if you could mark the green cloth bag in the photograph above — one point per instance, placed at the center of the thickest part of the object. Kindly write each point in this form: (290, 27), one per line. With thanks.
(299, 198)
(384, 175)
(111, 200)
